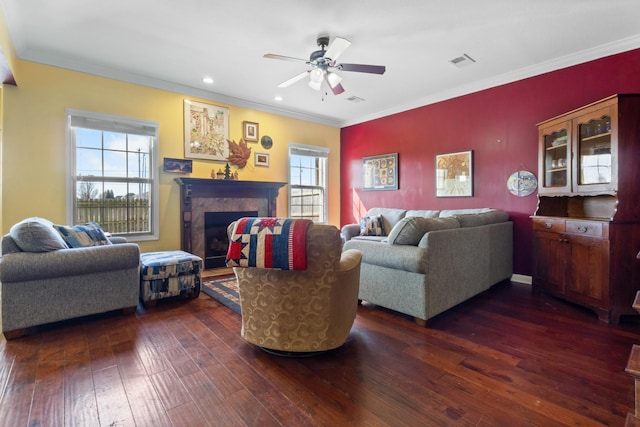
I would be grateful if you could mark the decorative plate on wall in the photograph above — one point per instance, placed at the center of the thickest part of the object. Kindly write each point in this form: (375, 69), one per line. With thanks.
(266, 142)
(522, 183)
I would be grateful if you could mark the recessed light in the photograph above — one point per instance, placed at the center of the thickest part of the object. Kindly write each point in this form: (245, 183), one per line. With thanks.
(208, 80)
(278, 98)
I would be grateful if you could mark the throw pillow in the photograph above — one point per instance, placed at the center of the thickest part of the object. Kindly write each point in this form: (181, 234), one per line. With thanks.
(36, 235)
(409, 231)
(371, 226)
(83, 235)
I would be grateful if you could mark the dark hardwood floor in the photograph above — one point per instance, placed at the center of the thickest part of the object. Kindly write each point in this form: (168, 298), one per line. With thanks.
(505, 358)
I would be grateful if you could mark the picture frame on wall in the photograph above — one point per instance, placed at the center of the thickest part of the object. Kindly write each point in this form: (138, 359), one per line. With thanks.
(177, 165)
(454, 174)
(206, 131)
(250, 131)
(380, 172)
(262, 159)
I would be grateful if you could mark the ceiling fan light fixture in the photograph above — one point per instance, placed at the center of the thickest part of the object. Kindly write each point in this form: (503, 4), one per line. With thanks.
(333, 79)
(315, 85)
(316, 75)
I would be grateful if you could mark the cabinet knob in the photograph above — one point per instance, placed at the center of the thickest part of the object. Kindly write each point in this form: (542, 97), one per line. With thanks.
(582, 229)
(548, 225)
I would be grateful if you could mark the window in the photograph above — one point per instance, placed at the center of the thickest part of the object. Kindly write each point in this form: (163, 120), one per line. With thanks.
(308, 182)
(111, 173)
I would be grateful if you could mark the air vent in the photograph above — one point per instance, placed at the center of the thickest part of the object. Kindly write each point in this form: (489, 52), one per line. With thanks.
(462, 61)
(355, 99)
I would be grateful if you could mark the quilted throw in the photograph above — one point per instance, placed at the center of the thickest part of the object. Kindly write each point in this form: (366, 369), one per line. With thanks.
(279, 243)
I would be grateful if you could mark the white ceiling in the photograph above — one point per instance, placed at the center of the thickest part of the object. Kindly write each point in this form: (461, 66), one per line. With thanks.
(172, 45)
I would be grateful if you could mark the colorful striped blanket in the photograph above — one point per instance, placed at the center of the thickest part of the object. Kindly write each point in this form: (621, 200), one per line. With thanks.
(279, 243)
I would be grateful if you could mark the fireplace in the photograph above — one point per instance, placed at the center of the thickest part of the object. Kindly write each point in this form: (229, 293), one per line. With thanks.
(216, 241)
(199, 196)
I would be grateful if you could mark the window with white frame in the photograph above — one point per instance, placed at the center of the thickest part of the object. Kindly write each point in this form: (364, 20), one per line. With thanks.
(111, 173)
(308, 182)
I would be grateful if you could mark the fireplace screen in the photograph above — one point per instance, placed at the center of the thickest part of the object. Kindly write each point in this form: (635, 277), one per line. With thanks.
(216, 241)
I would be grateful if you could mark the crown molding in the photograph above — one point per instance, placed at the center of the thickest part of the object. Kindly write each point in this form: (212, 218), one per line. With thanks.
(598, 52)
(49, 59)
(572, 59)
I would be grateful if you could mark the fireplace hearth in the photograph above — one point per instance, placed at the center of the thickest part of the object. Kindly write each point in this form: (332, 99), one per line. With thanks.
(199, 196)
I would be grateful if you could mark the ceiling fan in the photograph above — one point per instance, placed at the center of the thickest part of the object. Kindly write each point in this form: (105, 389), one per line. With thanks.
(323, 65)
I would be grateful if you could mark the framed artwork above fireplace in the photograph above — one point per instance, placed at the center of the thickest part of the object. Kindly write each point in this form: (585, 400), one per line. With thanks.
(206, 131)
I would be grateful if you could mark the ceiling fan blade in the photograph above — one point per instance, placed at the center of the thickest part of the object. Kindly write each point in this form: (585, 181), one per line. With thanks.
(286, 58)
(362, 68)
(294, 79)
(338, 45)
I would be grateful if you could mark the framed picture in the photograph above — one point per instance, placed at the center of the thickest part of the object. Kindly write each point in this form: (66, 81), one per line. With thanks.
(206, 130)
(250, 131)
(380, 172)
(177, 165)
(454, 174)
(262, 159)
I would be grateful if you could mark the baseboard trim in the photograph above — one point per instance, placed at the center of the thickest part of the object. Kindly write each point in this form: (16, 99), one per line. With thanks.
(521, 278)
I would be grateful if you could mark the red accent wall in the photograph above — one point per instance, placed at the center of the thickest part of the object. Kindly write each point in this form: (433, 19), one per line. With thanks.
(498, 124)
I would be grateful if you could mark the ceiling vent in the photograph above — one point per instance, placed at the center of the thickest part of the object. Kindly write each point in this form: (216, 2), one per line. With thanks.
(462, 61)
(355, 99)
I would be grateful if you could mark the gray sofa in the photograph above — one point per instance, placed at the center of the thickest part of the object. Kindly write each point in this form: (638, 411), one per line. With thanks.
(45, 281)
(427, 261)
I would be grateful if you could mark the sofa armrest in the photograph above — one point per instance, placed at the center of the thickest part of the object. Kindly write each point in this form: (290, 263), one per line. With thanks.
(25, 266)
(349, 231)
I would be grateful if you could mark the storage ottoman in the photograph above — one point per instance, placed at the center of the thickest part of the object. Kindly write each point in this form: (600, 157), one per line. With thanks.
(168, 274)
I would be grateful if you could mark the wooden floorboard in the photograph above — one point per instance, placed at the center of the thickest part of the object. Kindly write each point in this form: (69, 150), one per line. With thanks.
(508, 357)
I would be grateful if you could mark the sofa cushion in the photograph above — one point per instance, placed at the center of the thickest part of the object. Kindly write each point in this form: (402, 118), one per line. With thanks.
(371, 226)
(36, 235)
(83, 235)
(409, 231)
(423, 213)
(454, 212)
(371, 238)
(484, 218)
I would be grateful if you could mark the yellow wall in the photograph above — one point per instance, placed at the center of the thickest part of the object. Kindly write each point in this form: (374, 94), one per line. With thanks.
(34, 143)
(9, 58)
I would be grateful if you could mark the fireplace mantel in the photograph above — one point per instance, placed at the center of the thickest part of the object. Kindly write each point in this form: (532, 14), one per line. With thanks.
(200, 195)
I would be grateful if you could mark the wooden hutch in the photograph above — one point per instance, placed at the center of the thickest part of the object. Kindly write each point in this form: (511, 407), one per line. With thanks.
(587, 222)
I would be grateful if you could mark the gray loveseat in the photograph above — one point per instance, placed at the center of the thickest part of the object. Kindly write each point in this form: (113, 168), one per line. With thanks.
(42, 280)
(427, 261)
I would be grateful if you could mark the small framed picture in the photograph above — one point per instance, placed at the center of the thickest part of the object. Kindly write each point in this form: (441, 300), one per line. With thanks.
(250, 131)
(262, 159)
(177, 165)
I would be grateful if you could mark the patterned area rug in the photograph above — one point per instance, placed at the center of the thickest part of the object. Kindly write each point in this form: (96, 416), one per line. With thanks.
(223, 289)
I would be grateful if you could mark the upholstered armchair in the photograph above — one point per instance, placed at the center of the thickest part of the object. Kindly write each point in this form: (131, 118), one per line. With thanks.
(299, 311)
